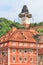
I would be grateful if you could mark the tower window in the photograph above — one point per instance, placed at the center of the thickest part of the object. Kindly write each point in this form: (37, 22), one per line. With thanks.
(31, 45)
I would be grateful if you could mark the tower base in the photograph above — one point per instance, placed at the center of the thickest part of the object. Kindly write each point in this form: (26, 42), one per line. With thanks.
(26, 25)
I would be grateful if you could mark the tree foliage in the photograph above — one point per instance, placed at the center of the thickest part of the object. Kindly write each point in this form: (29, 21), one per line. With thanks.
(5, 25)
(40, 30)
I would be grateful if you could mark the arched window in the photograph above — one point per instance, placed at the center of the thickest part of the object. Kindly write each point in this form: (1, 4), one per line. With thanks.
(26, 51)
(31, 59)
(20, 59)
(25, 59)
(13, 59)
(20, 50)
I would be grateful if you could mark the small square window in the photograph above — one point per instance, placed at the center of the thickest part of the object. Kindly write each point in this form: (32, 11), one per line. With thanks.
(41, 46)
(25, 44)
(20, 44)
(13, 44)
(5, 44)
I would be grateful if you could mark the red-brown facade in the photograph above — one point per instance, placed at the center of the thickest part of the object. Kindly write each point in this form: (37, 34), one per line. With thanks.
(18, 47)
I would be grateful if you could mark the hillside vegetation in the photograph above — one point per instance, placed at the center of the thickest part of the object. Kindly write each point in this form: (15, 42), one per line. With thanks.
(5, 25)
(37, 26)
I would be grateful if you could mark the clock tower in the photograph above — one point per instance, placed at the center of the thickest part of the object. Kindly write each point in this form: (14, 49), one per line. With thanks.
(25, 16)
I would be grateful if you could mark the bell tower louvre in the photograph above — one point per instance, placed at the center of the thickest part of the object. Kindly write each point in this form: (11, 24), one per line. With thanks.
(25, 16)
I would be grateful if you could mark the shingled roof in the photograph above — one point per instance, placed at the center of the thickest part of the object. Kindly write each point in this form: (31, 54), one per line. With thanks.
(24, 35)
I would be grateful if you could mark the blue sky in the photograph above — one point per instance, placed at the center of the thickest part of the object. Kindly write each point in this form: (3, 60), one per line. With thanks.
(11, 8)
